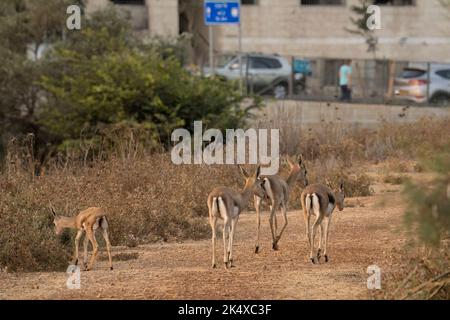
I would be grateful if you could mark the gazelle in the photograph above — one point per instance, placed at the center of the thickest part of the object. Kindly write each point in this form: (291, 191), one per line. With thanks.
(277, 192)
(320, 200)
(87, 221)
(226, 203)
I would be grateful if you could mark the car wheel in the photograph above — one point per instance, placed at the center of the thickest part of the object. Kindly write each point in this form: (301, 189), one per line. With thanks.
(441, 100)
(280, 91)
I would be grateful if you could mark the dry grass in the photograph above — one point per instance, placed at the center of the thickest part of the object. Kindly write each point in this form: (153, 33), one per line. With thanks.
(394, 179)
(419, 273)
(149, 199)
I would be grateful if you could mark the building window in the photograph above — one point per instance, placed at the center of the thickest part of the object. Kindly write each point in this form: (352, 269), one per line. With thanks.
(331, 72)
(394, 2)
(136, 2)
(323, 2)
(248, 2)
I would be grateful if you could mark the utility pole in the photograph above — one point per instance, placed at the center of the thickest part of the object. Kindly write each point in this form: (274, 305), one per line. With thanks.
(241, 69)
(211, 50)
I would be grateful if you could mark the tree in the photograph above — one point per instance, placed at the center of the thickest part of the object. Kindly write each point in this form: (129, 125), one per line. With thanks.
(101, 76)
(24, 26)
(360, 25)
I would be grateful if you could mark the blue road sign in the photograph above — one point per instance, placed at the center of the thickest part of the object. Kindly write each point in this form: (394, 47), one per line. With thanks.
(222, 12)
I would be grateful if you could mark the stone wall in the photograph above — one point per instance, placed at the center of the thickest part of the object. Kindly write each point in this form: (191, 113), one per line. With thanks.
(312, 114)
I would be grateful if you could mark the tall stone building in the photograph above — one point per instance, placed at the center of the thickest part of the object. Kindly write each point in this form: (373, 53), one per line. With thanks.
(413, 30)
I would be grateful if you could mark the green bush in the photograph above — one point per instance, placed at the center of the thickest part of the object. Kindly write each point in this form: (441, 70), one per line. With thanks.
(101, 76)
(428, 212)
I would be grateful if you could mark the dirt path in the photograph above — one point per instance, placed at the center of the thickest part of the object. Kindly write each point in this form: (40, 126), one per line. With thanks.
(360, 236)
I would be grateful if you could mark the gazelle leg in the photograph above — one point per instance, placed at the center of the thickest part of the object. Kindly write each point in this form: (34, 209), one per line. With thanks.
(275, 223)
(234, 222)
(307, 218)
(90, 234)
(257, 201)
(77, 243)
(108, 247)
(327, 221)
(271, 221)
(229, 238)
(85, 249)
(285, 222)
(213, 222)
(226, 228)
(321, 240)
(313, 234)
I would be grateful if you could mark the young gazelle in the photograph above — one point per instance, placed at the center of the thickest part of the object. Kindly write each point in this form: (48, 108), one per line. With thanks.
(320, 200)
(277, 192)
(226, 203)
(87, 221)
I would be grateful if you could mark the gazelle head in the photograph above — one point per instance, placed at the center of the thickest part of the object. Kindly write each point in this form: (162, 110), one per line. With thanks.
(340, 196)
(57, 222)
(298, 169)
(253, 182)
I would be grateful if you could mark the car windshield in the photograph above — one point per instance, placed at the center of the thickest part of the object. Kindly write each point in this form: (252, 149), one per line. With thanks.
(222, 60)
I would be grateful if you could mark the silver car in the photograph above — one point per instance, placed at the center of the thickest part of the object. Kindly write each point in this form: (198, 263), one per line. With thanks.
(415, 84)
(263, 74)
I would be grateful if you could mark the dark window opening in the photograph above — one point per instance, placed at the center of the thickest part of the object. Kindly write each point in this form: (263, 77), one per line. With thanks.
(331, 72)
(135, 2)
(322, 2)
(249, 2)
(394, 2)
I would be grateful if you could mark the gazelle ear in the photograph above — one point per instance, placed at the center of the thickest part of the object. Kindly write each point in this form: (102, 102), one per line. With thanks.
(300, 159)
(258, 172)
(243, 172)
(341, 187)
(289, 161)
(53, 211)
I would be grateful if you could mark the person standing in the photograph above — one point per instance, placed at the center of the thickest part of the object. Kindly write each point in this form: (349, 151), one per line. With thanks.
(345, 81)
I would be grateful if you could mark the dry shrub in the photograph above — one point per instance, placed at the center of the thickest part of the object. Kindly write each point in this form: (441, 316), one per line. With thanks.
(351, 144)
(419, 273)
(27, 240)
(356, 183)
(426, 273)
(123, 256)
(394, 179)
(148, 199)
(331, 170)
(418, 167)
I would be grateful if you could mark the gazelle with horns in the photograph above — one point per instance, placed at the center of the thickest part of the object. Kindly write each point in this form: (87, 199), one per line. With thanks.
(226, 204)
(277, 192)
(87, 221)
(319, 200)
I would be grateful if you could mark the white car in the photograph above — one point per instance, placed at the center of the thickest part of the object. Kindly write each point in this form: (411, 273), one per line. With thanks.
(415, 84)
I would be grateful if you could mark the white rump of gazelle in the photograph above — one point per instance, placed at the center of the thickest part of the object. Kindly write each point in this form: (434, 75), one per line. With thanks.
(319, 200)
(226, 204)
(277, 191)
(87, 221)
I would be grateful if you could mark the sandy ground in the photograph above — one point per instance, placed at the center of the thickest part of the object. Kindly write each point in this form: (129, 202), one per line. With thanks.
(362, 235)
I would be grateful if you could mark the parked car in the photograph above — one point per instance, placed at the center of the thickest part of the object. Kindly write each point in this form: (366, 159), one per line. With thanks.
(266, 74)
(415, 84)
